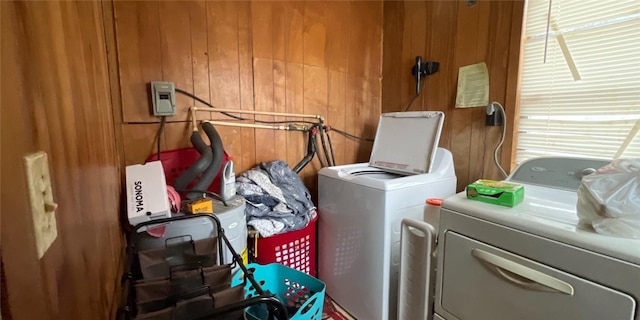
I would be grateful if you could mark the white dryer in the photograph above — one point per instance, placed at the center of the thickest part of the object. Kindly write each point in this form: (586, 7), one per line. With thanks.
(534, 261)
(359, 230)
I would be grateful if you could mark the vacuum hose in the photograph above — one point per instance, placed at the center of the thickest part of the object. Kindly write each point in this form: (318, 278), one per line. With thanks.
(199, 166)
(217, 150)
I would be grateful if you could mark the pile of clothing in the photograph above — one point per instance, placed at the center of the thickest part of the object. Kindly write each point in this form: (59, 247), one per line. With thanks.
(277, 200)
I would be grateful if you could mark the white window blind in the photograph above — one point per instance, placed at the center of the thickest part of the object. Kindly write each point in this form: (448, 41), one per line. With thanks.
(585, 100)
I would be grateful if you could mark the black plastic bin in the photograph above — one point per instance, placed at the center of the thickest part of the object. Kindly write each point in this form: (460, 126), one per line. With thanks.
(186, 279)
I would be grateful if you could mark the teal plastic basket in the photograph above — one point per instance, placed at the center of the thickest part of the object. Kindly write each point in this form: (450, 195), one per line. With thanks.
(300, 293)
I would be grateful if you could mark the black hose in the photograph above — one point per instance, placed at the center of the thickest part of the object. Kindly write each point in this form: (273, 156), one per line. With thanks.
(324, 146)
(319, 158)
(212, 170)
(315, 146)
(199, 166)
(333, 158)
(311, 150)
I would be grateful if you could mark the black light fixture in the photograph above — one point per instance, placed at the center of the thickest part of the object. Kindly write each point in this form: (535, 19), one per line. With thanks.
(422, 69)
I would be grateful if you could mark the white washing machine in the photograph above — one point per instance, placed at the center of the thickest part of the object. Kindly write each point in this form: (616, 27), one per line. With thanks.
(534, 261)
(359, 230)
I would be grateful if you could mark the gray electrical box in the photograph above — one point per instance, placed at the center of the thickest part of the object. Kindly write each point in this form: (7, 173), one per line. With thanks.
(163, 96)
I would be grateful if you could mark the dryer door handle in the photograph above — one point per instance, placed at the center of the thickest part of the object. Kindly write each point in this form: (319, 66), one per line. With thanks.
(522, 275)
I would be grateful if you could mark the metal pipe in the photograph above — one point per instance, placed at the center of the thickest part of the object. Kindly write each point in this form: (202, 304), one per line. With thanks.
(194, 121)
(257, 126)
(264, 113)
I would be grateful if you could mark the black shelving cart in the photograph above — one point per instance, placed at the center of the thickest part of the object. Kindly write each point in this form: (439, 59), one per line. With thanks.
(187, 278)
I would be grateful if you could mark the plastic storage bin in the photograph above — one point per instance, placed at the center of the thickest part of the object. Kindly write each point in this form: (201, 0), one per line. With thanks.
(301, 294)
(295, 249)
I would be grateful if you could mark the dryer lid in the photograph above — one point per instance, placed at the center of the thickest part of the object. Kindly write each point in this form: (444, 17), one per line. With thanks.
(406, 142)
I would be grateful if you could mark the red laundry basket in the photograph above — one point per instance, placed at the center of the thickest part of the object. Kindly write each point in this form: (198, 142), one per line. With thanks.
(295, 249)
(175, 162)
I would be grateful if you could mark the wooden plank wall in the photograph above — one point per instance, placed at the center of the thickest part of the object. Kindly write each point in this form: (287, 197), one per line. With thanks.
(455, 35)
(286, 56)
(55, 98)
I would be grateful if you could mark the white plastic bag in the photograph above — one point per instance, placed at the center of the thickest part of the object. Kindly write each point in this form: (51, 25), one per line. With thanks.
(609, 200)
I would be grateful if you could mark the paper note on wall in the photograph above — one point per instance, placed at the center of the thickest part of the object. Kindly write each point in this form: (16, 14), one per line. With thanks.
(473, 86)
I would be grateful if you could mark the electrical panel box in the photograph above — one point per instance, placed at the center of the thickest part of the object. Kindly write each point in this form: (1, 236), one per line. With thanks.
(163, 96)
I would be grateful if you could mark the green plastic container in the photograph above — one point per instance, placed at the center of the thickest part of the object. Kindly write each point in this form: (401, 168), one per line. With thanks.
(496, 192)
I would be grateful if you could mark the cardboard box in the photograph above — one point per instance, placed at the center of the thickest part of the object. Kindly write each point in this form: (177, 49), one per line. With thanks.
(147, 197)
(496, 192)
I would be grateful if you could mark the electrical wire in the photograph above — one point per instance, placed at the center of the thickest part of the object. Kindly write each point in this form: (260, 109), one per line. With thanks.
(414, 97)
(410, 103)
(346, 134)
(349, 135)
(504, 132)
(188, 94)
(159, 135)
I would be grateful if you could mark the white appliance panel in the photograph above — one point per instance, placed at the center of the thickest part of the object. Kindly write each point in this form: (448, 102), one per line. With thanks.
(549, 213)
(359, 231)
(544, 229)
(349, 239)
(542, 233)
(495, 284)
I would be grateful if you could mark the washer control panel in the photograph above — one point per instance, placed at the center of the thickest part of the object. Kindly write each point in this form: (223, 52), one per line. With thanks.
(556, 172)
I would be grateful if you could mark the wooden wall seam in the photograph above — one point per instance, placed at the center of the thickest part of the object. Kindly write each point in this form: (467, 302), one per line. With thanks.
(115, 102)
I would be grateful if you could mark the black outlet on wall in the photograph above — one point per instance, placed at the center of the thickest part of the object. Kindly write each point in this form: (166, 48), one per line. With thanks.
(494, 119)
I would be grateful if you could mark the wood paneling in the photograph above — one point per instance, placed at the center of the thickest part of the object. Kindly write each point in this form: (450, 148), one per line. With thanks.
(455, 35)
(139, 55)
(245, 62)
(55, 98)
(295, 56)
(336, 111)
(85, 102)
(294, 79)
(263, 92)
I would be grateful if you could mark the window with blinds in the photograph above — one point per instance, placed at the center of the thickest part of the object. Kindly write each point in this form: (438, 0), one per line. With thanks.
(584, 100)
